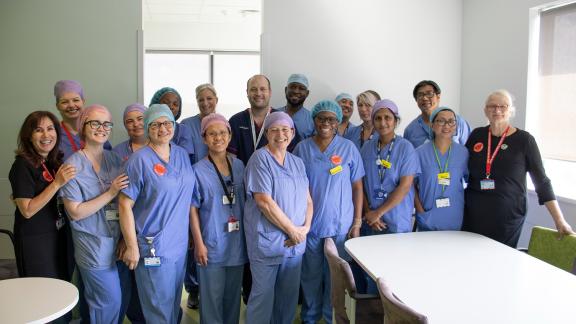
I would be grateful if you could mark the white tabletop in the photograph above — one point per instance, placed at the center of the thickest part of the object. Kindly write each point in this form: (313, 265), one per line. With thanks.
(35, 300)
(461, 277)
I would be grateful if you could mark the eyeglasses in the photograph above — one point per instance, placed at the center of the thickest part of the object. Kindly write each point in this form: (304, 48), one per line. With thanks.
(329, 120)
(156, 125)
(95, 124)
(494, 107)
(443, 122)
(429, 95)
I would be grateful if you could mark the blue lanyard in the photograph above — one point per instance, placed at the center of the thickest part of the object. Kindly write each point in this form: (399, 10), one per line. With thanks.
(381, 168)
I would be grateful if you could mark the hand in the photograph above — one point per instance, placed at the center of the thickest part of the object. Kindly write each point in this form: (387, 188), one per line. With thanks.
(120, 249)
(118, 184)
(564, 229)
(298, 234)
(65, 173)
(379, 225)
(201, 254)
(354, 231)
(131, 257)
(372, 217)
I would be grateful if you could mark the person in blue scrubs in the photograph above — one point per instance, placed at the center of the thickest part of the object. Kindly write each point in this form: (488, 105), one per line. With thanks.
(207, 99)
(182, 133)
(335, 170)
(277, 218)
(427, 95)
(217, 229)
(364, 132)
(90, 202)
(134, 123)
(154, 217)
(296, 92)
(346, 103)
(440, 187)
(391, 164)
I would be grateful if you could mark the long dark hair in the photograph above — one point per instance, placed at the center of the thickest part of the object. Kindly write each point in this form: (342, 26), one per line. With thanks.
(26, 149)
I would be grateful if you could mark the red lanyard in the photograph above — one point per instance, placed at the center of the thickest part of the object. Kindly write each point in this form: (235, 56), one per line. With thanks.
(70, 138)
(490, 159)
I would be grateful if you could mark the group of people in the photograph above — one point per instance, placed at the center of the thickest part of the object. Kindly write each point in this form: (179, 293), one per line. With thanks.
(243, 206)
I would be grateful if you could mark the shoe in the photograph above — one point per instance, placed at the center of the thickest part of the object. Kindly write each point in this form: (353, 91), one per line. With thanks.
(193, 301)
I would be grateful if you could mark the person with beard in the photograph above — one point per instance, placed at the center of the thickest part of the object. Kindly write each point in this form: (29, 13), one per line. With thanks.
(346, 103)
(296, 92)
(427, 96)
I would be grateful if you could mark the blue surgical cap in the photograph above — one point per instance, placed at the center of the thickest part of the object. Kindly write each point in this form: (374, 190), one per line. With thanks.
(327, 105)
(344, 95)
(298, 78)
(154, 112)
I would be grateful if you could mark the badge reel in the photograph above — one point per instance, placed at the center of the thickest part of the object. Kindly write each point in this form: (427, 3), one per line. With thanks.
(61, 221)
(225, 200)
(380, 194)
(111, 211)
(152, 260)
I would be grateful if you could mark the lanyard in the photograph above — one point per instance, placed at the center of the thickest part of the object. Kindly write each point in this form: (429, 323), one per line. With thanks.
(70, 138)
(229, 195)
(381, 168)
(48, 176)
(362, 136)
(490, 159)
(103, 166)
(440, 164)
(255, 139)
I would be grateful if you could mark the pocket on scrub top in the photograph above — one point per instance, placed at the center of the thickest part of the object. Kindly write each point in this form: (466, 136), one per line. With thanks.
(95, 251)
(271, 244)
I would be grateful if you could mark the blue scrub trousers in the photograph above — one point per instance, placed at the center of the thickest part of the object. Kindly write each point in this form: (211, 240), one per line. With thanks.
(103, 293)
(160, 290)
(220, 293)
(315, 283)
(274, 294)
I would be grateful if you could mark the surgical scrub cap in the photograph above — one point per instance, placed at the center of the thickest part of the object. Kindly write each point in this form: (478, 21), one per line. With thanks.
(158, 95)
(298, 78)
(63, 86)
(439, 109)
(385, 103)
(344, 95)
(278, 118)
(327, 105)
(212, 119)
(133, 107)
(154, 112)
(84, 115)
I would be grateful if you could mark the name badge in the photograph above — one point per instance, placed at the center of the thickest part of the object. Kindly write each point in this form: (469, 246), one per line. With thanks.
(487, 184)
(233, 224)
(335, 170)
(112, 213)
(152, 261)
(60, 222)
(444, 178)
(380, 194)
(442, 202)
(226, 201)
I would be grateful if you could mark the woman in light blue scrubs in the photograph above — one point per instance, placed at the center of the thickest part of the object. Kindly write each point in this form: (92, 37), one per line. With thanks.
(217, 229)
(391, 164)
(277, 217)
(207, 99)
(364, 132)
(154, 215)
(90, 202)
(335, 170)
(440, 187)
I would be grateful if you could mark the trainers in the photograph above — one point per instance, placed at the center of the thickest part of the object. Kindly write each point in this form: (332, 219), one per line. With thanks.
(193, 301)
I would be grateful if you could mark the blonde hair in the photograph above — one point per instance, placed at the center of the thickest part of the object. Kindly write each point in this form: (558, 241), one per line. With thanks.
(205, 86)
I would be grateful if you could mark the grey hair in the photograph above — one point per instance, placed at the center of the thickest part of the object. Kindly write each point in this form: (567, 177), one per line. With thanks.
(507, 96)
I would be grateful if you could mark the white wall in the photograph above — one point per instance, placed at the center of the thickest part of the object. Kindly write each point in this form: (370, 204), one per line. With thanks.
(351, 46)
(94, 42)
(495, 55)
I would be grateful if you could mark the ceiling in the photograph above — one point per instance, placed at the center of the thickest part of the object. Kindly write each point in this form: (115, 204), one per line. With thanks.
(200, 11)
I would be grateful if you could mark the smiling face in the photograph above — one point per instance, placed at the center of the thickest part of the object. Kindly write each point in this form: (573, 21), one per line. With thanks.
(347, 106)
(207, 101)
(134, 124)
(258, 92)
(217, 137)
(44, 137)
(171, 100)
(98, 135)
(325, 124)
(70, 104)
(427, 99)
(364, 110)
(296, 94)
(497, 109)
(279, 136)
(161, 131)
(444, 124)
(384, 122)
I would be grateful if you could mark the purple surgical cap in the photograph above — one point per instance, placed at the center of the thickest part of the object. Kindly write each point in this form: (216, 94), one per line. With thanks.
(212, 119)
(385, 103)
(278, 118)
(63, 86)
(133, 107)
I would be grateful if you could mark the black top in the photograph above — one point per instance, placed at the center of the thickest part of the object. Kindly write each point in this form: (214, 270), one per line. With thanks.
(27, 182)
(500, 213)
(242, 144)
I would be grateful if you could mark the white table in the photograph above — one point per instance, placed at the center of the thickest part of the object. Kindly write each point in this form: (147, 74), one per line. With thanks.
(35, 300)
(461, 277)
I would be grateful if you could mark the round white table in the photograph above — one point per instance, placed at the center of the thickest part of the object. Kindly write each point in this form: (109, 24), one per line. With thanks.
(35, 300)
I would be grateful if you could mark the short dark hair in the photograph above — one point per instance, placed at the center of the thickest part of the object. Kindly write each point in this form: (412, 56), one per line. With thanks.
(25, 147)
(425, 83)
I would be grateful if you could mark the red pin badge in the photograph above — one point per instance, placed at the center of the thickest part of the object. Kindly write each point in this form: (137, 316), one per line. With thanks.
(159, 169)
(47, 176)
(478, 147)
(336, 159)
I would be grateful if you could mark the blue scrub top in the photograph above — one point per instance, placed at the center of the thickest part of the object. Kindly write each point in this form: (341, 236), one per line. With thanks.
(348, 129)
(124, 150)
(161, 201)
(200, 149)
(404, 162)
(288, 187)
(445, 218)
(354, 134)
(94, 237)
(183, 138)
(418, 133)
(303, 121)
(331, 194)
(224, 248)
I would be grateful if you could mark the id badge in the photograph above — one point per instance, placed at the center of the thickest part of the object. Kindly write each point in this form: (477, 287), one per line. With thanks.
(112, 213)
(225, 200)
(487, 184)
(152, 261)
(233, 224)
(444, 178)
(442, 202)
(380, 194)
(60, 222)
(335, 170)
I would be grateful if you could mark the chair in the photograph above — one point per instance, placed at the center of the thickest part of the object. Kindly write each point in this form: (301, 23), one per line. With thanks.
(348, 305)
(395, 311)
(544, 245)
(8, 268)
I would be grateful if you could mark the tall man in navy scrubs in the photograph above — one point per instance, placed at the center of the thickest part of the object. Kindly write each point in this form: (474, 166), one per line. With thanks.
(248, 136)
(296, 92)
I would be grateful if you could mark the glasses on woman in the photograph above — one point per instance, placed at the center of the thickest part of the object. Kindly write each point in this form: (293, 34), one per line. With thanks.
(494, 107)
(327, 120)
(443, 122)
(156, 125)
(95, 124)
